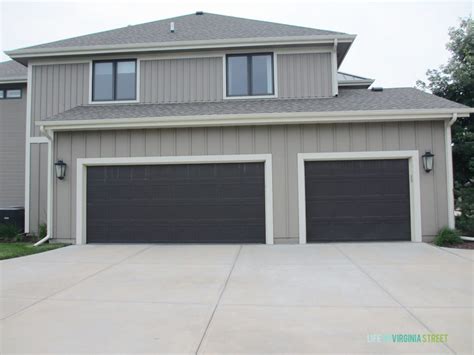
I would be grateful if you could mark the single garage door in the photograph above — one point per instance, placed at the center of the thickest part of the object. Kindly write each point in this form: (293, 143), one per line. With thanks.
(193, 203)
(357, 200)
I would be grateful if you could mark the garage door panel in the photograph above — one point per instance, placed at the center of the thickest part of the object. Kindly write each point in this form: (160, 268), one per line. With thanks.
(194, 203)
(357, 200)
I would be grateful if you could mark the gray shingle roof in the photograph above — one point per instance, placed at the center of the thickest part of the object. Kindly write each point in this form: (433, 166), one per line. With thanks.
(348, 100)
(346, 77)
(12, 70)
(187, 28)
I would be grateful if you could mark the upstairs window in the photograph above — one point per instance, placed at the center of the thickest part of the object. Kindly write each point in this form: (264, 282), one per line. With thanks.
(250, 74)
(10, 94)
(114, 80)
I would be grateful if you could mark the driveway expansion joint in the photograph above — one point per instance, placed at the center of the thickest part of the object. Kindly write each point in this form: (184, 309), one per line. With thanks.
(392, 297)
(219, 299)
(75, 284)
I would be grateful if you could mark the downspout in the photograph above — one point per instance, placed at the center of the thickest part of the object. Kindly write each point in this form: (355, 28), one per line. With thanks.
(449, 169)
(49, 212)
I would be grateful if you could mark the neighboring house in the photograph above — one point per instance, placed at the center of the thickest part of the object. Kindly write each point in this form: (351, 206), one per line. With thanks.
(12, 134)
(209, 128)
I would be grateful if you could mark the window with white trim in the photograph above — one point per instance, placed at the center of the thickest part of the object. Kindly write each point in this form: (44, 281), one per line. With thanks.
(10, 94)
(249, 74)
(114, 80)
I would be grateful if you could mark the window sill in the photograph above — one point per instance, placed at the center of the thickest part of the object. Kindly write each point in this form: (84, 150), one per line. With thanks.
(115, 102)
(250, 97)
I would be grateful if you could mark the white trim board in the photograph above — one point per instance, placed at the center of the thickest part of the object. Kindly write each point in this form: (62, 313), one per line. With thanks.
(83, 163)
(414, 177)
(253, 119)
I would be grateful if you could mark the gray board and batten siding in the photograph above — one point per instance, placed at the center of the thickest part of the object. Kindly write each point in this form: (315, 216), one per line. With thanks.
(59, 87)
(283, 142)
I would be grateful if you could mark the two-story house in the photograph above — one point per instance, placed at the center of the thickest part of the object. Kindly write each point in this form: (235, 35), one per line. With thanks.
(214, 129)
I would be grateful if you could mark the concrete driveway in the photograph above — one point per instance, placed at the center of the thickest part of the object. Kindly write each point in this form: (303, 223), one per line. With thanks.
(325, 298)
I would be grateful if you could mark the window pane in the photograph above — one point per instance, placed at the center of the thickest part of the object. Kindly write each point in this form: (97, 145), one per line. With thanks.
(126, 81)
(262, 77)
(237, 80)
(103, 82)
(1, 94)
(14, 94)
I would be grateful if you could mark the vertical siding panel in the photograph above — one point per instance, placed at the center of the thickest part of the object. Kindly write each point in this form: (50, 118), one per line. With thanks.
(78, 150)
(85, 84)
(183, 141)
(152, 142)
(214, 140)
(326, 138)
(439, 173)
(93, 144)
(309, 134)
(122, 143)
(280, 187)
(107, 144)
(168, 142)
(358, 137)
(198, 141)
(62, 87)
(294, 147)
(427, 185)
(304, 75)
(137, 143)
(230, 140)
(246, 143)
(343, 137)
(407, 135)
(43, 173)
(262, 139)
(391, 136)
(63, 221)
(34, 187)
(374, 136)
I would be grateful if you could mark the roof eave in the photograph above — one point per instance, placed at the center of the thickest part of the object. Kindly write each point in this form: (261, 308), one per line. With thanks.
(13, 80)
(255, 119)
(18, 54)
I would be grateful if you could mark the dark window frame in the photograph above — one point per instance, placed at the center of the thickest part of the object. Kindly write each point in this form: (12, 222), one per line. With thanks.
(249, 73)
(114, 79)
(5, 90)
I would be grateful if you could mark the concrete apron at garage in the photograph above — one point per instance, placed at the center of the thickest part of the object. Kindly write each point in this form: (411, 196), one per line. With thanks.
(233, 298)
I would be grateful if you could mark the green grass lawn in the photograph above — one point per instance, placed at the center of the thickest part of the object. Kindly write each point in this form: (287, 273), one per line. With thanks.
(14, 250)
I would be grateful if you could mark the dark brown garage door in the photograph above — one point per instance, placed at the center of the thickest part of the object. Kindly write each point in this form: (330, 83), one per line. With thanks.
(361, 200)
(194, 203)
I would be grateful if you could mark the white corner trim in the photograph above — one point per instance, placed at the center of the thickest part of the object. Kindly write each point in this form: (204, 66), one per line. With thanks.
(83, 163)
(414, 176)
(28, 150)
(335, 86)
(449, 170)
(116, 102)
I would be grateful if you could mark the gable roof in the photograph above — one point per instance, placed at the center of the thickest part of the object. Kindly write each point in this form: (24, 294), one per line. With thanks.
(353, 100)
(198, 30)
(12, 71)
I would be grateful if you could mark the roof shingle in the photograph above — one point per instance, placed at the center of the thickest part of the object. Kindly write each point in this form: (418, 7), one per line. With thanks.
(348, 100)
(12, 70)
(187, 28)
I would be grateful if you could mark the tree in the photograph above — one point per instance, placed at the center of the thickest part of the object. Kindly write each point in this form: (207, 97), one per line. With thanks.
(454, 81)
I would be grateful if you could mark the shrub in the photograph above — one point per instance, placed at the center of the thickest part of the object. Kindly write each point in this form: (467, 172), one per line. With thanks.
(447, 236)
(9, 232)
(42, 230)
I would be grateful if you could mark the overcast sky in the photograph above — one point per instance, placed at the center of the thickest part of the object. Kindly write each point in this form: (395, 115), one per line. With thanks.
(396, 42)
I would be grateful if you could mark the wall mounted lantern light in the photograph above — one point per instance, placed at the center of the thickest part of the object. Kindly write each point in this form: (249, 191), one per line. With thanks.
(60, 169)
(428, 161)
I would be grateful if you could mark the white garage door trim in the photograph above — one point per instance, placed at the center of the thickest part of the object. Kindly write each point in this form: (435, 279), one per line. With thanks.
(413, 164)
(82, 164)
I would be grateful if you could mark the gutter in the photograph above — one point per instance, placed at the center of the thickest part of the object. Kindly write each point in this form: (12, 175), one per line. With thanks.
(49, 213)
(449, 169)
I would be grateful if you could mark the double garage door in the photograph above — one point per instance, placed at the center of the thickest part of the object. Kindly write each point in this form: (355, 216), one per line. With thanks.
(356, 200)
